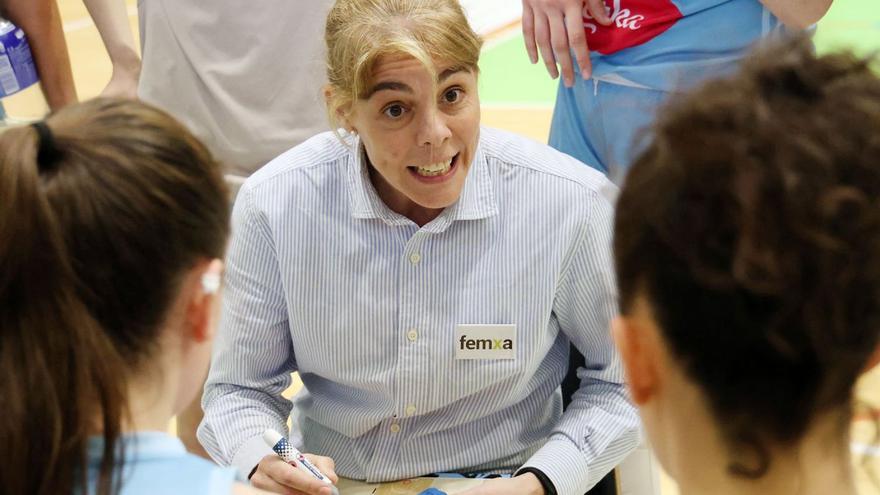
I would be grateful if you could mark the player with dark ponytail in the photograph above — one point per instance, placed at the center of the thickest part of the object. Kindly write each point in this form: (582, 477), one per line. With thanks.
(113, 218)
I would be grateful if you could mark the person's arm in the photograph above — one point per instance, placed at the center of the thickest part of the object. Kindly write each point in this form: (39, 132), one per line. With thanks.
(253, 352)
(798, 14)
(111, 19)
(41, 22)
(252, 362)
(555, 28)
(600, 426)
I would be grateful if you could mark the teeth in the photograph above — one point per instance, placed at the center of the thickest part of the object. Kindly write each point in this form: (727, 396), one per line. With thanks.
(434, 169)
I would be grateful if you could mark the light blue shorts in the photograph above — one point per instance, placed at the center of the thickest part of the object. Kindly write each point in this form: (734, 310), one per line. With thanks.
(603, 124)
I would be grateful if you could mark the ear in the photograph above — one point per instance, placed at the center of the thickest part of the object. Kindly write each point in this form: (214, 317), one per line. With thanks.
(341, 112)
(639, 355)
(328, 92)
(203, 292)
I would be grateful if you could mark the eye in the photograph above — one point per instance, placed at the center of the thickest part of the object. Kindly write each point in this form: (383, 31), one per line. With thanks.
(394, 111)
(452, 95)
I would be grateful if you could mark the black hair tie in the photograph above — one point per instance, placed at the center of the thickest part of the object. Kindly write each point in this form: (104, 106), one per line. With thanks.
(47, 153)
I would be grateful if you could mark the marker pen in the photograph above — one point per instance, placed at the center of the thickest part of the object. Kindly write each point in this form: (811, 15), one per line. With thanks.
(289, 453)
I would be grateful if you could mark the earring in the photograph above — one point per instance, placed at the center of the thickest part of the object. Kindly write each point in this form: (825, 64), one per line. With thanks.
(211, 283)
(212, 277)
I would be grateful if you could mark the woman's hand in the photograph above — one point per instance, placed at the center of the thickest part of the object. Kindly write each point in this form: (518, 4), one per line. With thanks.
(556, 27)
(526, 484)
(277, 476)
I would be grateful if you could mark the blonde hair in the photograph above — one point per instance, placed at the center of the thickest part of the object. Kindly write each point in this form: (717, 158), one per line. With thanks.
(360, 32)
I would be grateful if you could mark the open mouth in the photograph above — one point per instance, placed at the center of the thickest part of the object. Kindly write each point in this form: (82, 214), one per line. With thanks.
(435, 170)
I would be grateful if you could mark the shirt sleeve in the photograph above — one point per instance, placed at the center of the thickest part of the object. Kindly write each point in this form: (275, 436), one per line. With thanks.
(600, 426)
(253, 353)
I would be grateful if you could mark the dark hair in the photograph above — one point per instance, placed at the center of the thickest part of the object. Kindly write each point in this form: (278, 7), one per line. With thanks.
(751, 225)
(94, 241)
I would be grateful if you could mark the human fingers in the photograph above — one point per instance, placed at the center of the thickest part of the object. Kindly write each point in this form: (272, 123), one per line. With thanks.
(273, 472)
(265, 483)
(326, 465)
(561, 48)
(597, 9)
(528, 29)
(577, 39)
(542, 38)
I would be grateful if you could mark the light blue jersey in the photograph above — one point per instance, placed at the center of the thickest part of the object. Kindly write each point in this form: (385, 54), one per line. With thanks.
(156, 463)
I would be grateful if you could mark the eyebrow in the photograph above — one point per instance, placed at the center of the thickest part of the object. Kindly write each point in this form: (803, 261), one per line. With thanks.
(446, 74)
(388, 85)
(399, 86)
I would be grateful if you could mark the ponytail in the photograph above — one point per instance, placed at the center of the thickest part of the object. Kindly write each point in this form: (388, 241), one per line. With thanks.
(59, 374)
(103, 208)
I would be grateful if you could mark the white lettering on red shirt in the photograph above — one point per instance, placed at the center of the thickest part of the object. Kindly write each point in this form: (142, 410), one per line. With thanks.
(633, 22)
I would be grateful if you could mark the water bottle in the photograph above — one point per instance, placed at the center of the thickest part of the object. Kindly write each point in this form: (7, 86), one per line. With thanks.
(17, 69)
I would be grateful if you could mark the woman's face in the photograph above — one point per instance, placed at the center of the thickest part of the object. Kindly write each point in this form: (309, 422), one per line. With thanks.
(420, 138)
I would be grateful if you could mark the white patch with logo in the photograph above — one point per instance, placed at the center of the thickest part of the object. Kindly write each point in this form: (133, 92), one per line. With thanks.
(485, 342)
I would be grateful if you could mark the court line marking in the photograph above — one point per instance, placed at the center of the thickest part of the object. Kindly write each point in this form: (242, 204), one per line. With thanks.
(502, 34)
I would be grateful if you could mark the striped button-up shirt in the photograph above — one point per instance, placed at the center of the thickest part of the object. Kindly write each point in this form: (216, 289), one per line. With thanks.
(324, 279)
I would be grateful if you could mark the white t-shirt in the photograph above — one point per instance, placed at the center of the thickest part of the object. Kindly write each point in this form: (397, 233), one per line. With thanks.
(245, 77)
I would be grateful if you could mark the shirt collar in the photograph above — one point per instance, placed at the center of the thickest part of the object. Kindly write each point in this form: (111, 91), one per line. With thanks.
(477, 199)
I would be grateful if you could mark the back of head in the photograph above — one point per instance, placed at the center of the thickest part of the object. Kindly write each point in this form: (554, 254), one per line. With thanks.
(360, 32)
(94, 238)
(751, 225)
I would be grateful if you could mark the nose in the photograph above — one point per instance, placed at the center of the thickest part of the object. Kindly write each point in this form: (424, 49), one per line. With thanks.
(433, 129)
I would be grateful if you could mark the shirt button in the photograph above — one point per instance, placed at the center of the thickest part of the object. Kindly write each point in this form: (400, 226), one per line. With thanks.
(410, 410)
(395, 428)
(415, 258)
(412, 335)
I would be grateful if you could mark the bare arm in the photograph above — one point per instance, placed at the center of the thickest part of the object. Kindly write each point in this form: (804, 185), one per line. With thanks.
(111, 19)
(798, 14)
(41, 21)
